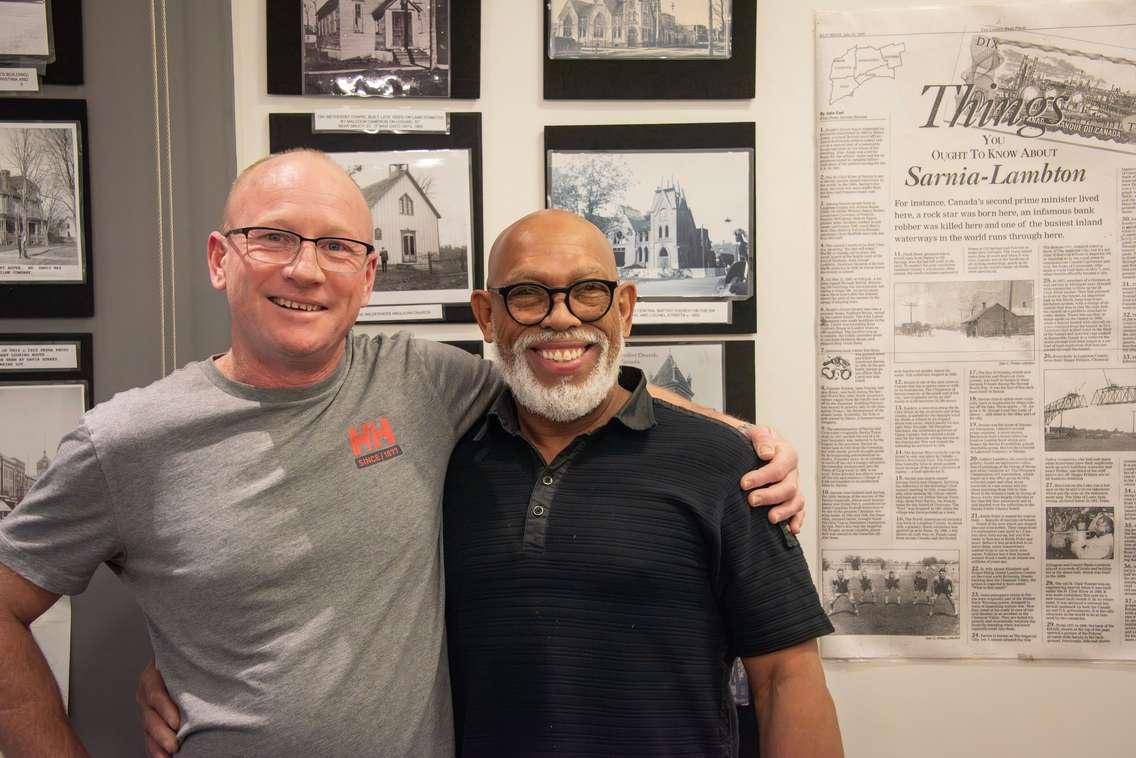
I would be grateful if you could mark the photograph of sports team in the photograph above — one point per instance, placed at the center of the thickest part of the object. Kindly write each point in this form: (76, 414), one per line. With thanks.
(902, 592)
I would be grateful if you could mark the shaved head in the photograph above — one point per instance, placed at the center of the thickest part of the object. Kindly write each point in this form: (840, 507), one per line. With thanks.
(546, 229)
(283, 167)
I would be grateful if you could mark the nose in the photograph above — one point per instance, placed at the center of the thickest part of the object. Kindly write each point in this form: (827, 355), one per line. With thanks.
(305, 269)
(560, 318)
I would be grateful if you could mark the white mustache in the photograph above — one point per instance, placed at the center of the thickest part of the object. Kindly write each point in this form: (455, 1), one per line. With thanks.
(575, 334)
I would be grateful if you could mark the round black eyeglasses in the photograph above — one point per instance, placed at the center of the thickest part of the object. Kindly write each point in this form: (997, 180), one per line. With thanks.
(529, 303)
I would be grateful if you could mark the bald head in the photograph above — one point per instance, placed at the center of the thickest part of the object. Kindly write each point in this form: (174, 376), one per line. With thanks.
(547, 231)
(301, 167)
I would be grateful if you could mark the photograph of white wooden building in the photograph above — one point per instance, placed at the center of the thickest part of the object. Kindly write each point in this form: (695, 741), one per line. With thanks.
(421, 208)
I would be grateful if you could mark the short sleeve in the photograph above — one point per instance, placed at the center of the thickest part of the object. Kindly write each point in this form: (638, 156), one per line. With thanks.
(765, 589)
(465, 384)
(64, 527)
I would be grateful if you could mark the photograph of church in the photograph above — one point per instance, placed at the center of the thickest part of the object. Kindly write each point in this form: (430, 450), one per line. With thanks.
(421, 207)
(637, 29)
(678, 221)
(376, 47)
(693, 371)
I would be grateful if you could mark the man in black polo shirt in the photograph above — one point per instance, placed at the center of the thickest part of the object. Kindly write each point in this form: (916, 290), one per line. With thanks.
(602, 567)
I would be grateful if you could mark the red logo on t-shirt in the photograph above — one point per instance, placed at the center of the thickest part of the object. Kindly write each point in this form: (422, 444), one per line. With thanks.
(373, 442)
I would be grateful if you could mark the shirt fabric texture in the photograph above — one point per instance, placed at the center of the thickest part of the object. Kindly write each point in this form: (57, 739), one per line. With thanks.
(284, 545)
(595, 604)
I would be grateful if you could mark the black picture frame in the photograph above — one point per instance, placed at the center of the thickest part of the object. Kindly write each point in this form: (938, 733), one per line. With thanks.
(739, 375)
(291, 130)
(48, 299)
(645, 137)
(285, 49)
(83, 372)
(67, 31)
(671, 79)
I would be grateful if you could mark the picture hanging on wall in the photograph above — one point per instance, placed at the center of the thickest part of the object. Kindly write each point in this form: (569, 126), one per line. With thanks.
(45, 388)
(374, 48)
(424, 193)
(676, 203)
(45, 234)
(67, 30)
(718, 375)
(649, 49)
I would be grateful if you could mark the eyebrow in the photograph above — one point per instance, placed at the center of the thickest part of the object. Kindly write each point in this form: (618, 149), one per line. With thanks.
(525, 275)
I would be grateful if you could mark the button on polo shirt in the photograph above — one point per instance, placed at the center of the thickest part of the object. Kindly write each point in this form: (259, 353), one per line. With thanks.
(595, 602)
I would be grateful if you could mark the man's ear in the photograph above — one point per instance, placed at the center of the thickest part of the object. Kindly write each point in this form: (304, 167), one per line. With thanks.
(370, 267)
(217, 247)
(481, 301)
(625, 297)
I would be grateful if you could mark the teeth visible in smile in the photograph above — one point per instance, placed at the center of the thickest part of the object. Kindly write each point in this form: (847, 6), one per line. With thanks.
(562, 356)
(283, 303)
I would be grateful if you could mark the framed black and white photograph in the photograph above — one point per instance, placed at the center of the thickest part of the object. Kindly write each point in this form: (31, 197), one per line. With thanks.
(1080, 533)
(424, 193)
(718, 375)
(971, 320)
(1090, 410)
(893, 591)
(45, 237)
(45, 388)
(67, 32)
(676, 203)
(649, 49)
(374, 48)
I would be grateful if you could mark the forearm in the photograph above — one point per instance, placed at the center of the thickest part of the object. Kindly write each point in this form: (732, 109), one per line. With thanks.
(796, 716)
(32, 720)
(682, 402)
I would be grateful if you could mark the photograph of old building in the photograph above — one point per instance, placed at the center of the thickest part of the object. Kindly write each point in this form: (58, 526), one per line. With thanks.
(978, 317)
(376, 47)
(39, 202)
(420, 205)
(677, 221)
(1090, 410)
(640, 29)
(694, 371)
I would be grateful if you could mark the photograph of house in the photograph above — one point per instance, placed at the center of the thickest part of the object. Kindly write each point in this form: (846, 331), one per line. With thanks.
(637, 29)
(39, 202)
(421, 208)
(983, 318)
(376, 47)
(694, 371)
(678, 222)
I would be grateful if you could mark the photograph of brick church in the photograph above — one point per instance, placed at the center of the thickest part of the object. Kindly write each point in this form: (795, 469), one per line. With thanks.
(678, 221)
(386, 48)
(638, 29)
(421, 208)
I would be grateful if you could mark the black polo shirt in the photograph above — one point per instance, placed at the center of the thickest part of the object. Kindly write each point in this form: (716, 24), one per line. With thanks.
(594, 604)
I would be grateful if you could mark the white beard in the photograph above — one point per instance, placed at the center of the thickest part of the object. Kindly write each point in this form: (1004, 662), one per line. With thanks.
(565, 401)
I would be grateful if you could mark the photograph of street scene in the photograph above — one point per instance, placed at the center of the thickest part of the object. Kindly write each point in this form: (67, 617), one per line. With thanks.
(384, 48)
(40, 229)
(420, 203)
(640, 29)
(1090, 410)
(984, 318)
(678, 221)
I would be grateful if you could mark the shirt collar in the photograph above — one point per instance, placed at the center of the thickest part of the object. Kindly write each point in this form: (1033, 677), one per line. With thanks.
(637, 414)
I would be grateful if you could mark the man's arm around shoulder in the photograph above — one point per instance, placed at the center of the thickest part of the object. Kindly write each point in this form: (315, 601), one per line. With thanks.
(795, 714)
(32, 719)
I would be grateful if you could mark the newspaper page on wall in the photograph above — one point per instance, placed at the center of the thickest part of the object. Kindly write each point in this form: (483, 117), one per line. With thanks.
(976, 193)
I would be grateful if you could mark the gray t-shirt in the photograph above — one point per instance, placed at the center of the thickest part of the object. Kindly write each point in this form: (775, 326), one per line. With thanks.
(284, 545)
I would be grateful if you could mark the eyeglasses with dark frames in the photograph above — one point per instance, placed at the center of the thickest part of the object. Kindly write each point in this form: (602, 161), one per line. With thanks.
(280, 246)
(529, 303)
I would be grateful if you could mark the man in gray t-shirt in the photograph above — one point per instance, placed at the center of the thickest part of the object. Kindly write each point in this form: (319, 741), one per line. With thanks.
(274, 509)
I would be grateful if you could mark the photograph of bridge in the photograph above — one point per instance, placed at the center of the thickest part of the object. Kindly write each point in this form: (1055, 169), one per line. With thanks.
(1090, 410)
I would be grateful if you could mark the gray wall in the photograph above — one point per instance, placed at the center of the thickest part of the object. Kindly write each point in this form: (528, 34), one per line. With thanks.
(158, 86)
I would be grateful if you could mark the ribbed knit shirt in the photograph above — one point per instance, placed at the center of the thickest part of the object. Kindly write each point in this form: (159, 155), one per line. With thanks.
(594, 604)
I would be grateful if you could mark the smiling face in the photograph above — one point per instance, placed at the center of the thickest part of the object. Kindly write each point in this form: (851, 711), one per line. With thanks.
(560, 368)
(291, 316)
